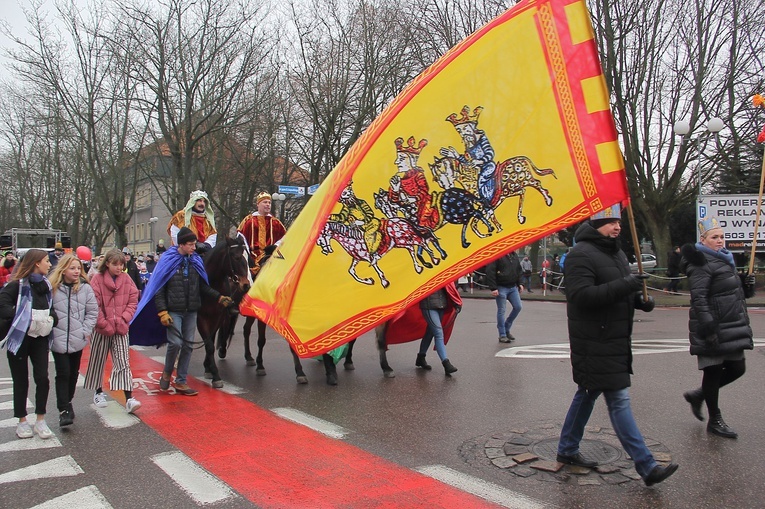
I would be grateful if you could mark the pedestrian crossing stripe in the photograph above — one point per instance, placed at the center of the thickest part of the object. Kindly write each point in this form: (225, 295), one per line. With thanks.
(85, 498)
(65, 466)
(29, 444)
(199, 484)
(561, 350)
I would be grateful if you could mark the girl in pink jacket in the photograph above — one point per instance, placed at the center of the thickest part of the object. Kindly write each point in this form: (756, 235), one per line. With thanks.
(117, 298)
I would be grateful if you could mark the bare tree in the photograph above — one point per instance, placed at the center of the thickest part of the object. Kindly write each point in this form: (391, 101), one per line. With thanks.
(96, 99)
(350, 64)
(194, 64)
(664, 61)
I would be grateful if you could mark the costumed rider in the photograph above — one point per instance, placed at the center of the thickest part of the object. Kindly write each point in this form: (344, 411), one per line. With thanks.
(197, 216)
(260, 230)
(357, 213)
(167, 311)
(479, 154)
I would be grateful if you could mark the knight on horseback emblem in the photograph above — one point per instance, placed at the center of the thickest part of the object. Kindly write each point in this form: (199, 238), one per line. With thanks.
(357, 213)
(478, 155)
(473, 185)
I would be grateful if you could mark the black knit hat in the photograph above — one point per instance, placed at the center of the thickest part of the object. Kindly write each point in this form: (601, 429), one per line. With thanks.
(185, 235)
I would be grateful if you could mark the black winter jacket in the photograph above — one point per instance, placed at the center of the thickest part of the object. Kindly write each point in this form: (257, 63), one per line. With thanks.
(184, 294)
(601, 298)
(718, 307)
(505, 272)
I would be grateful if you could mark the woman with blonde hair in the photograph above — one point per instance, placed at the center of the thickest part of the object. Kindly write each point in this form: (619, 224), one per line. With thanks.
(77, 310)
(117, 298)
(25, 308)
(719, 329)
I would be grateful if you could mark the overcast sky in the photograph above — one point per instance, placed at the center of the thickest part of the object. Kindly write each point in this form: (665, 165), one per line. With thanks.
(12, 12)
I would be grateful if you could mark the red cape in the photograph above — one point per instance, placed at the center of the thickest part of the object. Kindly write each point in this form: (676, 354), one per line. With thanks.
(409, 325)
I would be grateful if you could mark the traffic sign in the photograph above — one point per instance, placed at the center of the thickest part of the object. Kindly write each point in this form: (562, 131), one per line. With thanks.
(312, 189)
(296, 190)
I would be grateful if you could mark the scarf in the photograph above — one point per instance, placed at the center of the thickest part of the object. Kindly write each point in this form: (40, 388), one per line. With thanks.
(23, 317)
(723, 254)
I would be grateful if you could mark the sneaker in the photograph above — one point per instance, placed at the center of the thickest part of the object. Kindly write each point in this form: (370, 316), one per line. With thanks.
(24, 430)
(65, 418)
(164, 381)
(132, 405)
(510, 338)
(99, 399)
(42, 430)
(185, 390)
(503, 339)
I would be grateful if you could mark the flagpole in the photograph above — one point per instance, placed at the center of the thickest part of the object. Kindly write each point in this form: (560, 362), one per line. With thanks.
(636, 243)
(757, 218)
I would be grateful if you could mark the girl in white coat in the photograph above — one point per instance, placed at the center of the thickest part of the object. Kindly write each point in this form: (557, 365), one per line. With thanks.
(75, 305)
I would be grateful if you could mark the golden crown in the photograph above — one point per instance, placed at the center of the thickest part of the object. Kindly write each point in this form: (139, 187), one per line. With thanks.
(410, 147)
(262, 196)
(465, 117)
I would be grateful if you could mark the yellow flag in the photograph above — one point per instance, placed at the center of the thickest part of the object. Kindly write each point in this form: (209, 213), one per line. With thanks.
(505, 139)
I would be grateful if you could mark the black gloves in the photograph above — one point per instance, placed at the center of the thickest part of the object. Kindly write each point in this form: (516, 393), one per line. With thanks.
(202, 248)
(635, 281)
(647, 305)
(750, 280)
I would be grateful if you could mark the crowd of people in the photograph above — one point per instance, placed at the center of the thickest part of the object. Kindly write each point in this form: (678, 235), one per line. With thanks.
(61, 303)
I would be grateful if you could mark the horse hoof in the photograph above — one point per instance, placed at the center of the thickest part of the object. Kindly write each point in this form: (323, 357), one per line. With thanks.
(260, 371)
(436, 261)
(349, 366)
(385, 283)
(331, 380)
(217, 384)
(251, 362)
(426, 265)
(208, 375)
(302, 380)
(222, 353)
(389, 374)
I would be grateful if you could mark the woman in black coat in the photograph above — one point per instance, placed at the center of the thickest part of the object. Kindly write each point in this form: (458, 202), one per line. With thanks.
(719, 323)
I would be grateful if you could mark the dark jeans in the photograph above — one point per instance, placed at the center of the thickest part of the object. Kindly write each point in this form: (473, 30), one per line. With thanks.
(67, 371)
(35, 350)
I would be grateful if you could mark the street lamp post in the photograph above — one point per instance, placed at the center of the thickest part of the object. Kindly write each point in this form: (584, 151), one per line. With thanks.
(683, 128)
(279, 197)
(152, 220)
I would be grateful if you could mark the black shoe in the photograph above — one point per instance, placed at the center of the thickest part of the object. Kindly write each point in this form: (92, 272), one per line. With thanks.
(659, 473)
(331, 379)
(504, 339)
(448, 367)
(65, 418)
(577, 459)
(695, 398)
(718, 427)
(422, 363)
(510, 338)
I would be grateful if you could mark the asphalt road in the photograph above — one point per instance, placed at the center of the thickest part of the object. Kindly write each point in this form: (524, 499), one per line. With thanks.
(503, 398)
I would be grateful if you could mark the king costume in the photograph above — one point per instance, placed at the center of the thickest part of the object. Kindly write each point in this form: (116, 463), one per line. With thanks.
(260, 230)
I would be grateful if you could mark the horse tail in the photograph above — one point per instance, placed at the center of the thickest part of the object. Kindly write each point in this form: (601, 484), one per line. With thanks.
(541, 171)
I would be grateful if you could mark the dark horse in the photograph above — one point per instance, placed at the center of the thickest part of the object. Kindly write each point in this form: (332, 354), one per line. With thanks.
(225, 335)
(227, 271)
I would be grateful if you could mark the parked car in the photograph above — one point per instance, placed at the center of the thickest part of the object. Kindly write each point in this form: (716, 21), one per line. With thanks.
(649, 262)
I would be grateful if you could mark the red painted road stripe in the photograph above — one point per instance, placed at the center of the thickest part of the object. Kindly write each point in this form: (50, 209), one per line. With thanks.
(276, 463)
